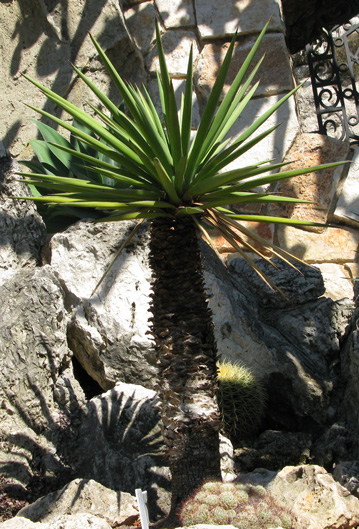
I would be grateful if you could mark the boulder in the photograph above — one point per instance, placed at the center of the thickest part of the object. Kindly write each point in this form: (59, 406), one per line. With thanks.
(82, 497)
(315, 499)
(337, 443)
(38, 390)
(108, 329)
(300, 284)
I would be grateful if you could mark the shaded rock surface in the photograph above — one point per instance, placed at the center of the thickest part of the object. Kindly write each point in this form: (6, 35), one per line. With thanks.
(124, 422)
(293, 344)
(274, 449)
(22, 230)
(308, 492)
(350, 369)
(347, 474)
(289, 345)
(82, 496)
(37, 387)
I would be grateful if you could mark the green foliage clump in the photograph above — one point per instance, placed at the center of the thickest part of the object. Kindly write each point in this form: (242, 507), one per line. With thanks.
(243, 505)
(241, 400)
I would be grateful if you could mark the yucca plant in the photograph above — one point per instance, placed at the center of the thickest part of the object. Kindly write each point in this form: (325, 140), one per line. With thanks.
(152, 170)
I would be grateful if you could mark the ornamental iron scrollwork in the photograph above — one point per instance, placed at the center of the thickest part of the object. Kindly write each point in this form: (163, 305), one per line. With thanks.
(333, 60)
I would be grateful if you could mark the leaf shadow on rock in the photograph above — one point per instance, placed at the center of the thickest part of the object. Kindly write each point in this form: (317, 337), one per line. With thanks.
(113, 439)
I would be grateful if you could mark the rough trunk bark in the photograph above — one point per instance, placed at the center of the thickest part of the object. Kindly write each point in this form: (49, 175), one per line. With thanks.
(186, 355)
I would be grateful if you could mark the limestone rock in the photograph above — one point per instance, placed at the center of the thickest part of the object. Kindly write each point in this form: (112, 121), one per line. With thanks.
(108, 330)
(305, 100)
(140, 20)
(37, 387)
(74, 521)
(224, 18)
(19, 523)
(23, 232)
(82, 496)
(347, 474)
(42, 39)
(319, 187)
(315, 498)
(299, 286)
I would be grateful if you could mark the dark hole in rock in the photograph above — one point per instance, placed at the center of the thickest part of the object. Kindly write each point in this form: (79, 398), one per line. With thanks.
(90, 387)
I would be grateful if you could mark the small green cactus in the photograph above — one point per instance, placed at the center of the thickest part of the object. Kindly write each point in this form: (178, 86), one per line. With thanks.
(243, 505)
(219, 515)
(228, 499)
(241, 399)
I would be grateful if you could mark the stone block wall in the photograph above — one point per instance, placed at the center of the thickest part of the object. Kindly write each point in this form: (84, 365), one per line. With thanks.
(42, 37)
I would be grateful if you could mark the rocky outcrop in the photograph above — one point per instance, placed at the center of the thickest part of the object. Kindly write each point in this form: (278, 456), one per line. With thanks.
(72, 358)
(315, 499)
(350, 371)
(70, 344)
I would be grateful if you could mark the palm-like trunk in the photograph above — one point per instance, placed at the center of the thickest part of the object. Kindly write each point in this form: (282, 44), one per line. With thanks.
(186, 355)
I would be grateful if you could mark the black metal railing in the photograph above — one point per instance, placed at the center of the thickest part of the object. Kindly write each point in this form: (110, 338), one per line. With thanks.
(333, 60)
